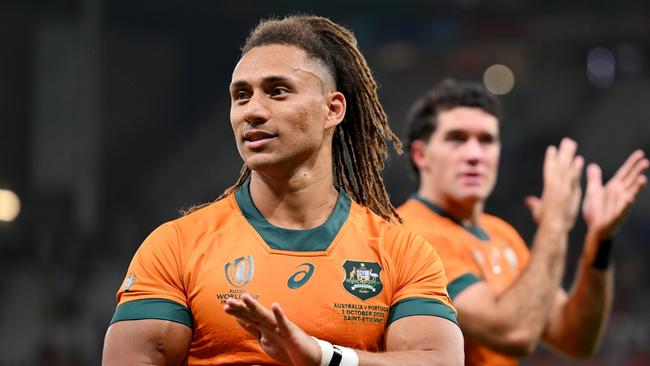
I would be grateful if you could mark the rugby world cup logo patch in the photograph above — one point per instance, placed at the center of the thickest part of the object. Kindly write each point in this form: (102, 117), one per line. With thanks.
(362, 279)
(240, 271)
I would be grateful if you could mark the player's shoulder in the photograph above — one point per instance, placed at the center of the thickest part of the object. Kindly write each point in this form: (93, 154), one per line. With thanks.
(411, 208)
(406, 245)
(371, 224)
(209, 218)
(494, 222)
(417, 214)
(210, 211)
(496, 226)
(432, 226)
(393, 234)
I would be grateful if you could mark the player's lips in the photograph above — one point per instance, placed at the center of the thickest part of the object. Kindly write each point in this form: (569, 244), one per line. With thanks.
(471, 177)
(257, 138)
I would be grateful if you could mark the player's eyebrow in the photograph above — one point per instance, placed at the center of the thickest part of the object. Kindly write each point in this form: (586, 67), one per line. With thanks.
(461, 133)
(266, 80)
(493, 135)
(456, 133)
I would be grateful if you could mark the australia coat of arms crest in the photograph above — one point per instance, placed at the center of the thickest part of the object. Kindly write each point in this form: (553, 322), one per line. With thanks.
(362, 279)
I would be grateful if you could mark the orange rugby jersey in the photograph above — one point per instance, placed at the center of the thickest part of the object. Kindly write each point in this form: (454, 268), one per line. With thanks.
(344, 281)
(492, 252)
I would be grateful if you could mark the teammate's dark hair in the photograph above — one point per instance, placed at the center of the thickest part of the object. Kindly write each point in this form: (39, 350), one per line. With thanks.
(361, 140)
(422, 118)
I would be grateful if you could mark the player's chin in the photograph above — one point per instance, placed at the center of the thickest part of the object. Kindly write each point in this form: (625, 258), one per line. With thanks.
(478, 191)
(473, 195)
(261, 162)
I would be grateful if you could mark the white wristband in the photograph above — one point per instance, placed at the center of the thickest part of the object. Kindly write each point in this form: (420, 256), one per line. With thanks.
(327, 351)
(348, 356)
(333, 355)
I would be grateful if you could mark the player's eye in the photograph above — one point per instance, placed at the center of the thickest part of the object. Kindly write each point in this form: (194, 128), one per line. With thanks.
(456, 137)
(240, 95)
(279, 91)
(487, 139)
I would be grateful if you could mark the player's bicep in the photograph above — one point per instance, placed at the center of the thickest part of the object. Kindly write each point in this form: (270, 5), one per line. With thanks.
(479, 316)
(146, 342)
(438, 335)
(484, 322)
(476, 306)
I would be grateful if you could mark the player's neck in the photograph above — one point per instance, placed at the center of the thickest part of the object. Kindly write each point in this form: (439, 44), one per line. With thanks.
(304, 201)
(465, 212)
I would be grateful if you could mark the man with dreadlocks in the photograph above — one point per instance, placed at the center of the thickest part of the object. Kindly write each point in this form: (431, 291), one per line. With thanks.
(308, 225)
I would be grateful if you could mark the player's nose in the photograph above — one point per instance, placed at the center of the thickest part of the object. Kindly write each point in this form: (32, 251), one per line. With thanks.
(472, 150)
(256, 112)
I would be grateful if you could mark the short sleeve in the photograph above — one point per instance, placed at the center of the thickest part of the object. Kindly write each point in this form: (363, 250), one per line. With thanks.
(460, 266)
(153, 287)
(421, 284)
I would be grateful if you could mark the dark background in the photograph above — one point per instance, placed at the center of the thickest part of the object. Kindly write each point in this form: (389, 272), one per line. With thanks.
(114, 115)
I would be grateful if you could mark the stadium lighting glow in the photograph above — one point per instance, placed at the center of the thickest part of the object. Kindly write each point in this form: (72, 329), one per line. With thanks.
(9, 205)
(601, 67)
(499, 79)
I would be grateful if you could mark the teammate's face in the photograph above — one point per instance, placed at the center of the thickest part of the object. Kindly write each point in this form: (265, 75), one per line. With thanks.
(462, 156)
(281, 109)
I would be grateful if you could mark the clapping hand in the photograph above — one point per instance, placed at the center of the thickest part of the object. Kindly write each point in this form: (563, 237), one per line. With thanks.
(279, 337)
(605, 206)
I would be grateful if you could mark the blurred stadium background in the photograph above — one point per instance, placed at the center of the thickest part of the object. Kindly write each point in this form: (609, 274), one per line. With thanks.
(114, 115)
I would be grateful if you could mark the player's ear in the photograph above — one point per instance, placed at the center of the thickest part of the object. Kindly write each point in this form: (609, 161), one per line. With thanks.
(336, 107)
(418, 154)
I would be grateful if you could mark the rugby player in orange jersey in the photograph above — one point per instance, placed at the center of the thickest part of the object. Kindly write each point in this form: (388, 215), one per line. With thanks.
(507, 297)
(302, 261)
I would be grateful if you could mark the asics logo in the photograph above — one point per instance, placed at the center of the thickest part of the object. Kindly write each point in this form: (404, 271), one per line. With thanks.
(301, 276)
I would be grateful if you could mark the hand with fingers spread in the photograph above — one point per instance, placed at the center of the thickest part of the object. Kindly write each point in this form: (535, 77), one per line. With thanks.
(605, 206)
(279, 337)
(561, 196)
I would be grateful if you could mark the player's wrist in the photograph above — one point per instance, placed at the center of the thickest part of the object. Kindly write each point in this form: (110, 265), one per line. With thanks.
(598, 252)
(335, 355)
(604, 253)
(554, 223)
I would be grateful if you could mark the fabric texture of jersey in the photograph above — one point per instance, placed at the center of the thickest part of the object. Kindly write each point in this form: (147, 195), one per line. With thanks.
(344, 281)
(492, 252)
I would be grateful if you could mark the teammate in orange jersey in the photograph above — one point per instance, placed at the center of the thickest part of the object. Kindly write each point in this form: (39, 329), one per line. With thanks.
(308, 225)
(508, 298)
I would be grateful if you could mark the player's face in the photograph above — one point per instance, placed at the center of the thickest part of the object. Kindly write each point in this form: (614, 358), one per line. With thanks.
(279, 109)
(462, 155)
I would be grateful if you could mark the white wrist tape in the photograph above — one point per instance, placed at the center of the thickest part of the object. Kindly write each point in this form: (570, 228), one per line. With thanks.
(327, 351)
(333, 355)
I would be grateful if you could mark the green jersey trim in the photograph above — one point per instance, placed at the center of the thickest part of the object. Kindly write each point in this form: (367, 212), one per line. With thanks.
(457, 286)
(420, 306)
(316, 239)
(153, 309)
(477, 231)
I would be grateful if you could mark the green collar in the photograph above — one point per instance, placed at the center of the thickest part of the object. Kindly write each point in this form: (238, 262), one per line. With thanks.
(316, 239)
(477, 231)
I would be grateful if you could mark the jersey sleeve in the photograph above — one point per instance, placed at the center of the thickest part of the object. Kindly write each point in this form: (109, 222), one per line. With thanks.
(460, 266)
(419, 280)
(153, 287)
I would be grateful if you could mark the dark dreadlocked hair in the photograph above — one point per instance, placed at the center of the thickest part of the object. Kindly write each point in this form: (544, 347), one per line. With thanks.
(360, 142)
(422, 118)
